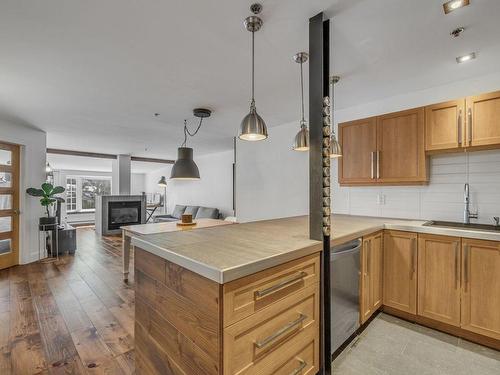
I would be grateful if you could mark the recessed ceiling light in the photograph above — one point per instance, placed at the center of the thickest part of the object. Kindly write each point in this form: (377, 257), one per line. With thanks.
(452, 5)
(464, 58)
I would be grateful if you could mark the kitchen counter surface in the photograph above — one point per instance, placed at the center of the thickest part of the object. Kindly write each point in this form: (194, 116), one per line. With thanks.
(226, 253)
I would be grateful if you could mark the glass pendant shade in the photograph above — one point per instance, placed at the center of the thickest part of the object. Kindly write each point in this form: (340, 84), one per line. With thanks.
(163, 182)
(335, 149)
(301, 141)
(184, 167)
(253, 127)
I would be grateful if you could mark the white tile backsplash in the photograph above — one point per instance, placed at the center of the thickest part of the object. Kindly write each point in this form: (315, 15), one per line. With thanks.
(442, 199)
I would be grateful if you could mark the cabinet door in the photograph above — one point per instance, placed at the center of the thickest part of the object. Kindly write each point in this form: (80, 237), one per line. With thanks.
(365, 304)
(483, 120)
(400, 271)
(376, 270)
(401, 153)
(481, 287)
(444, 125)
(439, 278)
(359, 144)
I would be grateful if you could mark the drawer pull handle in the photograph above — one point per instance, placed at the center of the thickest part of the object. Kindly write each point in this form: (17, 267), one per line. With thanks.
(274, 288)
(261, 344)
(299, 369)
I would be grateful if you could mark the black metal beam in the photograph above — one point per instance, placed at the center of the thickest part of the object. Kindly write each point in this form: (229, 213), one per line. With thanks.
(98, 155)
(319, 179)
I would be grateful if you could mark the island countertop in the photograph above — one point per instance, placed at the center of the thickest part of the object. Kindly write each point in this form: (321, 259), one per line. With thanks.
(229, 252)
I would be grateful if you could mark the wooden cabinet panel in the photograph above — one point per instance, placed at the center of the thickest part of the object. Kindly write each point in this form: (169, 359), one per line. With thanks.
(265, 340)
(304, 362)
(400, 271)
(439, 278)
(483, 120)
(245, 296)
(400, 143)
(371, 275)
(481, 287)
(445, 125)
(359, 143)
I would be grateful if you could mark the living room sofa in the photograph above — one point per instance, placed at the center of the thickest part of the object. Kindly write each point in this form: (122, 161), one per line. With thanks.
(198, 212)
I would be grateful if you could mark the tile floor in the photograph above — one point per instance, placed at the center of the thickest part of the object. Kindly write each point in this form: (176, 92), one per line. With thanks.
(393, 346)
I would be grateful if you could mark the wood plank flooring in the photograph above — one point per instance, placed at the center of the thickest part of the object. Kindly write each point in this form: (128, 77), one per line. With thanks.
(73, 316)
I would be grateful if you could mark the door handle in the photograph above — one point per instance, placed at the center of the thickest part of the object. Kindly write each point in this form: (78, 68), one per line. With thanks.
(466, 267)
(413, 254)
(373, 165)
(457, 270)
(369, 257)
(459, 127)
(378, 164)
(16, 212)
(469, 120)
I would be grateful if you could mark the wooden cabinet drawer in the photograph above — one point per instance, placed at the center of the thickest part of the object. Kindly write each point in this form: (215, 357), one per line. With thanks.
(245, 296)
(264, 341)
(304, 362)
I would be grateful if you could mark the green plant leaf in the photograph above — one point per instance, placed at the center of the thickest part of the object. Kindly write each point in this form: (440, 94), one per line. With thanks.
(47, 188)
(58, 190)
(45, 202)
(35, 192)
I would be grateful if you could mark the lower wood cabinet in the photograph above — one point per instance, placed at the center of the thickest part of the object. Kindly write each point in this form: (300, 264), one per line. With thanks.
(371, 275)
(481, 287)
(439, 278)
(400, 271)
(265, 323)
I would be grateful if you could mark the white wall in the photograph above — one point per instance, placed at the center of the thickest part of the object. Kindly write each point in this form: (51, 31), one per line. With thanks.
(272, 181)
(214, 189)
(33, 156)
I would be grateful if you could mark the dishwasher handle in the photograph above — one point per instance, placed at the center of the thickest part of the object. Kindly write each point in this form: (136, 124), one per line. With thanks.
(346, 249)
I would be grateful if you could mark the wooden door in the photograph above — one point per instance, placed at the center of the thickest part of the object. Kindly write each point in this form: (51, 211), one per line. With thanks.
(359, 145)
(445, 126)
(481, 287)
(483, 120)
(400, 271)
(9, 205)
(400, 143)
(439, 278)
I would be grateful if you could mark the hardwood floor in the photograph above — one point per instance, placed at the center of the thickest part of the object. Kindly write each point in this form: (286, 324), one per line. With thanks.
(74, 316)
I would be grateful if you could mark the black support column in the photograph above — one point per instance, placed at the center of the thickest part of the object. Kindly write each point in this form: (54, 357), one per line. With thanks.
(319, 166)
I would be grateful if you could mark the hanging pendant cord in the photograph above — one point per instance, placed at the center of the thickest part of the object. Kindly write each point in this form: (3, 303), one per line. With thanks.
(253, 69)
(187, 132)
(303, 121)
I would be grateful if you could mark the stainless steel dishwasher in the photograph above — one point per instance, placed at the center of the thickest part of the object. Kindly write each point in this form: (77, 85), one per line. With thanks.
(344, 286)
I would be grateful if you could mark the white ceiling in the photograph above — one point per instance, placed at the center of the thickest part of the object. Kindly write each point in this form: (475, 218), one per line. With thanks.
(93, 73)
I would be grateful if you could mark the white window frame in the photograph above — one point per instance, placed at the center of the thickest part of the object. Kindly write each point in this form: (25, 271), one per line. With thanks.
(79, 200)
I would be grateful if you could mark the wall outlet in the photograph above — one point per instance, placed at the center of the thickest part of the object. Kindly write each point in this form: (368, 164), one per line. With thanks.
(381, 199)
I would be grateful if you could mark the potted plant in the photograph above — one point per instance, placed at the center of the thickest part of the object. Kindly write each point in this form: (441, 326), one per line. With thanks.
(48, 198)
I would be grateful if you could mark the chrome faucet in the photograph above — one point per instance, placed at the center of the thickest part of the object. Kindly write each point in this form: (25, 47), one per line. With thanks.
(496, 219)
(467, 213)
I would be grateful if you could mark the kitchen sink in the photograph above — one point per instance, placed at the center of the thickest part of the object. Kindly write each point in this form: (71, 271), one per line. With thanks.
(450, 224)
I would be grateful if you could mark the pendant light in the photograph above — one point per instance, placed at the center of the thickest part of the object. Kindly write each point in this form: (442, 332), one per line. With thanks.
(301, 142)
(163, 182)
(253, 127)
(184, 167)
(335, 149)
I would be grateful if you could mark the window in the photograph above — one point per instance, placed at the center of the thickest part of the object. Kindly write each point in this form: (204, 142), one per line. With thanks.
(82, 190)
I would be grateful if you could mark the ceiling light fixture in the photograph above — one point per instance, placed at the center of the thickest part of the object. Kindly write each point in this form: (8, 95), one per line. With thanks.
(184, 167)
(163, 182)
(452, 5)
(48, 168)
(464, 58)
(301, 141)
(335, 149)
(457, 32)
(253, 127)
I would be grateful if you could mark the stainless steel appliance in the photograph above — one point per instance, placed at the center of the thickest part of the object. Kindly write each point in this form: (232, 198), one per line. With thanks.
(344, 286)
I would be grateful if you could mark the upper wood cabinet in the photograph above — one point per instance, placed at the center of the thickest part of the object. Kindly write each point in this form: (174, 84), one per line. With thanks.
(439, 278)
(400, 147)
(481, 287)
(483, 120)
(359, 146)
(384, 150)
(445, 126)
(400, 271)
(371, 275)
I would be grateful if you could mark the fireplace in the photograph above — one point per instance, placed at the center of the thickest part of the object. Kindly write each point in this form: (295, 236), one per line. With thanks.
(115, 211)
(123, 213)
